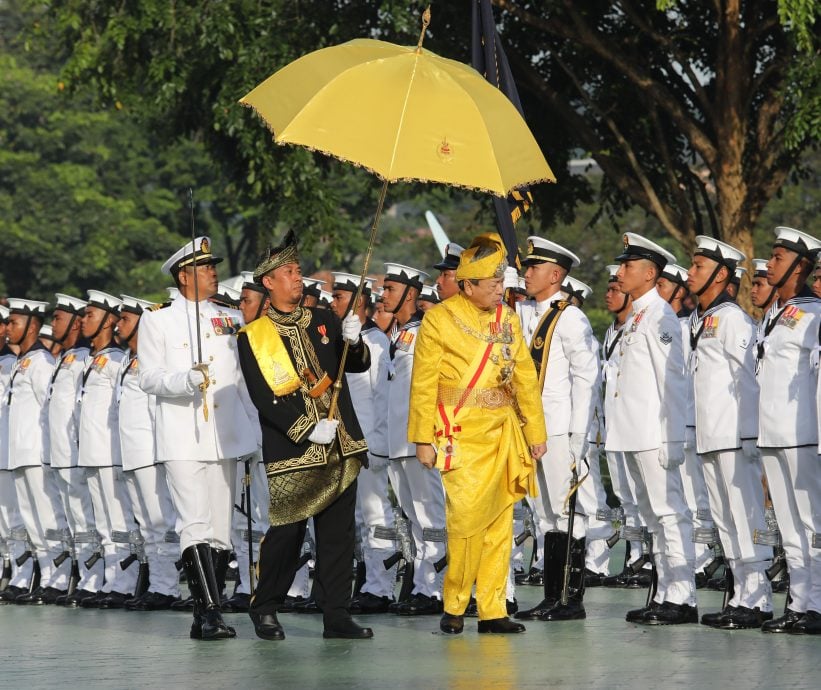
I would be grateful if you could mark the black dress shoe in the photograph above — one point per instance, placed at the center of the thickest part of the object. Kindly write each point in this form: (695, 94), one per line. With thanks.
(452, 625)
(153, 601)
(571, 611)
(420, 605)
(183, 605)
(75, 600)
(520, 577)
(782, 624)
(93, 602)
(237, 603)
(701, 579)
(307, 606)
(809, 624)
(537, 611)
(287, 606)
(10, 594)
(619, 580)
(592, 578)
(641, 580)
(744, 618)
(637, 615)
(512, 606)
(535, 577)
(366, 603)
(501, 626)
(472, 610)
(346, 629)
(719, 584)
(39, 597)
(671, 614)
(114, 600)
(714, 619)
(267, 626)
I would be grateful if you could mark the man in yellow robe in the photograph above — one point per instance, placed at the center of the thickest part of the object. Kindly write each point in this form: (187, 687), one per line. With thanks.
(476, 415)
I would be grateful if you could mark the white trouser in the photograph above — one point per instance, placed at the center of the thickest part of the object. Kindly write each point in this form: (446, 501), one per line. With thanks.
(259, 518)
(73, 485)
(736, 494)
(373, 511)
(663, 508)
(203, 496)
(794, 478)
(421, 495)
(591, 499)
(625, 490)
(113, 513)
(151, 501)
(13, 531)
(695, 493)
(38, 499)
(554, 476)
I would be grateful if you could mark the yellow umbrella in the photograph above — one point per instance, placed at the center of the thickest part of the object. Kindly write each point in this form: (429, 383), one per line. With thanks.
(403, 113)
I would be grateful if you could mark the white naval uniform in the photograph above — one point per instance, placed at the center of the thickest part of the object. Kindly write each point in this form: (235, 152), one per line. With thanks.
(101, 457)
(419, 491)
(623, 485)
(145, 480)
(722, 369)
(369, 395)
(260, 498)
(38, 496)
(64, 437)
(13, 537)
(568, 399)
(692, 473)
(200, 456)
(788, 438)
(649, 402)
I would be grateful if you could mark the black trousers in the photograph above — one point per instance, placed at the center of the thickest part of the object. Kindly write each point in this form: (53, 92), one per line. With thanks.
(334, 531)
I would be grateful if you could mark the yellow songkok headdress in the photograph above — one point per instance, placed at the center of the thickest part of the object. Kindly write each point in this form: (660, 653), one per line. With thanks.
(489, 266)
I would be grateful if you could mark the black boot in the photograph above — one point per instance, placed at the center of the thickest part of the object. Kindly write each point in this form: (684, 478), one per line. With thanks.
(202, 581)
(574, 608)
(552, 581)
(5, 577)
(221, 557)
(142, 581)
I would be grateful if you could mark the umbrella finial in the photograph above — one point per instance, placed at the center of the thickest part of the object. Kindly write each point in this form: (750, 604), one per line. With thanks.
(425, 24)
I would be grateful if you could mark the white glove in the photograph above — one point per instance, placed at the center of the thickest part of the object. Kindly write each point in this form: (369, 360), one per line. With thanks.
(324, 432)
(511, 281)
(750, 449)
(198, 375)
(671, 455)
(578, 447)
(351, 328)
(690, 438)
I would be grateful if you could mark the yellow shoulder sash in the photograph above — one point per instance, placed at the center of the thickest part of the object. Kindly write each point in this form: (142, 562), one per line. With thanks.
(272, 356)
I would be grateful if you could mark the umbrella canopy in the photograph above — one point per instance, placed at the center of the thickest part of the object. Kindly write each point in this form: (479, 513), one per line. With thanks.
(403, 113)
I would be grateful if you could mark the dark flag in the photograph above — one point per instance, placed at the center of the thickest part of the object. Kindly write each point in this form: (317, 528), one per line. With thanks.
(489, 59)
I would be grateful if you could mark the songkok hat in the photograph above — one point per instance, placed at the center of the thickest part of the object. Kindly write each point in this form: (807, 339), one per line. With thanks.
(429, 294)
(738, 274)
(576, 288)
(638, 247)
(675, 274)
(718, 251)
(759, 268)
(796, 241)
(286, 253)
(4, 314)
(226, 296)
(185, 257)
(72, 305)
(612, 269)
(173, 293)
(248, 283)
(135, 305)
(451, 259)
(350, 283)
(398, 273)
(312, 286)
(102, 300)
(27, 307)
(476, 264)
(540, 250)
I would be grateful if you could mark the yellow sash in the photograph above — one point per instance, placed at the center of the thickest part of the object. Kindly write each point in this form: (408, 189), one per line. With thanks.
(272, 357)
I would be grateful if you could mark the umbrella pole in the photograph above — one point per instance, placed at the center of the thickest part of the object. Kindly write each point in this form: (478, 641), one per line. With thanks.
(357, 297)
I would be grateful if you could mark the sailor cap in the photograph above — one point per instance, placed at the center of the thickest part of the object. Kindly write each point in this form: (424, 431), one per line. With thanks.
(4, 314)
(72, 305)
(738, 275)
(450, 262)
(27, 307)
(226, 296)
(398, 273)
(135, 305)
(185, 257)
(325, 298)
(312, 286)
(540, 250)
(612, 269)
(718, 251)
(429, 294)
(675, 274)
(638, 247)
(104, 301)
(350, 282)
(797, 241)
(576, 288)
(46, 332)
(759, 268)
(248, 283)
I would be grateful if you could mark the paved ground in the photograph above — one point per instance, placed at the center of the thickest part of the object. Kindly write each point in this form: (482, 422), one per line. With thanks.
(49, 647)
